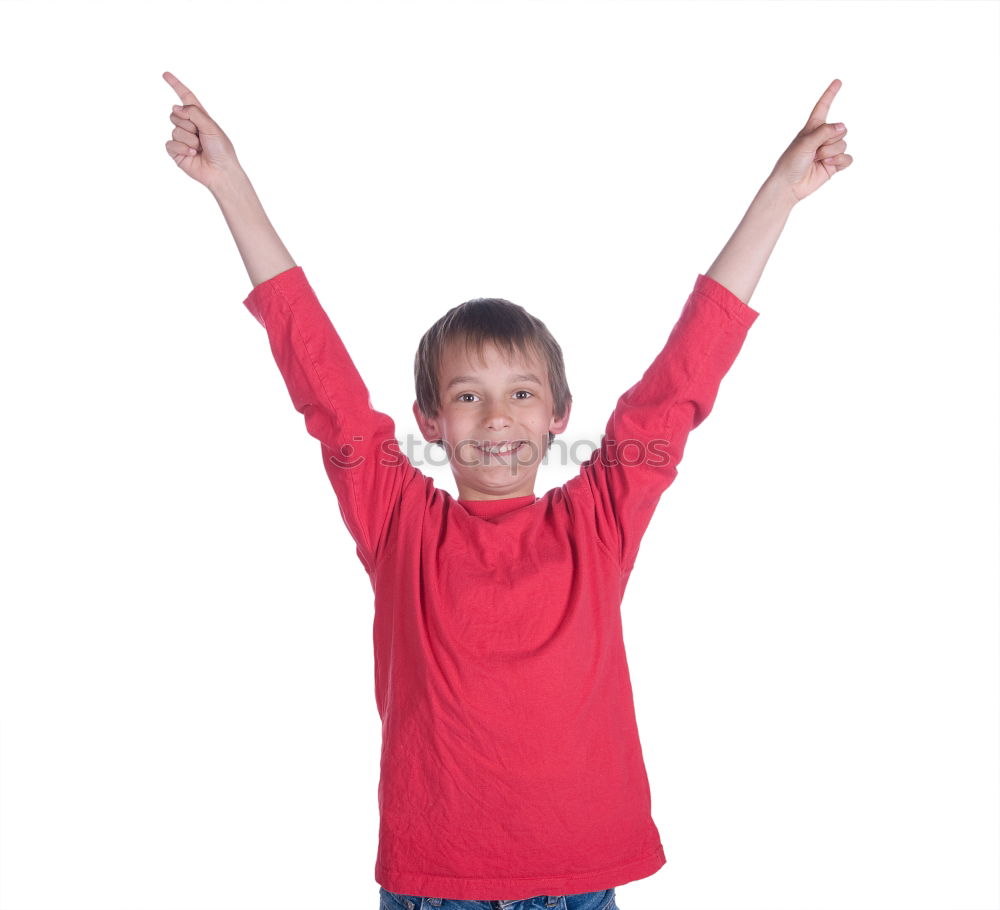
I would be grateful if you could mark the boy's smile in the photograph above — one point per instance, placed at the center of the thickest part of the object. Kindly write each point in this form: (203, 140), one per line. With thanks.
(494, 420)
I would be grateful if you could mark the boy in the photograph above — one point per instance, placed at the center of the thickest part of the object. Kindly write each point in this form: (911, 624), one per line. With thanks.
(511, 763)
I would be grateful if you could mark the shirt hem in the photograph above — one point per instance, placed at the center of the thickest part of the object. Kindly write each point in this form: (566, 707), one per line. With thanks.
(418, 884)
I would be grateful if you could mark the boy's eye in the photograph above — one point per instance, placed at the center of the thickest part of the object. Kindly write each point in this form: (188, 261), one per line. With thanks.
(466, 395)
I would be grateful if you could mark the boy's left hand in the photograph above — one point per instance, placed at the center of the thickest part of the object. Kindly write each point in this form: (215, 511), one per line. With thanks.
(816, 153)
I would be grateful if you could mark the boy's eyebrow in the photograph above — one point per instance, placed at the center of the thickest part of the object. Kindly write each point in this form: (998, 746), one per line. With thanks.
(517, 377)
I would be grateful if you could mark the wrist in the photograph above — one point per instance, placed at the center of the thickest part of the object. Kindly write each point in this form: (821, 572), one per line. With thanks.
(231, 185)
(777, 193)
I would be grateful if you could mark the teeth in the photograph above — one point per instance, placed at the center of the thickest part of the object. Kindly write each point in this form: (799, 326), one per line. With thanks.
(502, 449)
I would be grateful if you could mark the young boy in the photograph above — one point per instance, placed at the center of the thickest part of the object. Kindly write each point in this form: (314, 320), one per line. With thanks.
(511, 766)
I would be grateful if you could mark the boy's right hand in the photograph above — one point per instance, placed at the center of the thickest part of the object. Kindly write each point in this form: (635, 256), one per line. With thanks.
(199, 146)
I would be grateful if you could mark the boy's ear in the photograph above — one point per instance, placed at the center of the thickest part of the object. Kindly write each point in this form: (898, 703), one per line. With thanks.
(428, 427)
(558, 424)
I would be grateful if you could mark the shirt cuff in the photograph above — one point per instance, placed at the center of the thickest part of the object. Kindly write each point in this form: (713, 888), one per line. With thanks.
(740, 311)
(262, 296)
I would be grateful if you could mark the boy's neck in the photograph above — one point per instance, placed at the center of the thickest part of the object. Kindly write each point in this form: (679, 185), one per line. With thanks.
(476, 496)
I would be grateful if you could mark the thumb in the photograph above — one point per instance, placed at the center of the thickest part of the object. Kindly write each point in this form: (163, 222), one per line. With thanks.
(205, 124)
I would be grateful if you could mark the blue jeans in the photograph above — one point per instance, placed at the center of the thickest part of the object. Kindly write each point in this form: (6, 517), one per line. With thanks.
(592, 900)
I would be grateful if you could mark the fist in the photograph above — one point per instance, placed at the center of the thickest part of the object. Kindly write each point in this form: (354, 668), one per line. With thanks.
(198, 145)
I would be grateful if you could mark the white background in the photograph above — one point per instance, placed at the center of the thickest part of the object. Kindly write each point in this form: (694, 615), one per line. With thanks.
(188, 715)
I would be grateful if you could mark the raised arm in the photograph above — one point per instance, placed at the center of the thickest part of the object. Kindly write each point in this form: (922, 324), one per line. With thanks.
(360, 452)
(619, 486)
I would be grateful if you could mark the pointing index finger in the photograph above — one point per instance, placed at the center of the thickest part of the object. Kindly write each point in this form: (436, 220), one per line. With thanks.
(822, 108)
(183, 92)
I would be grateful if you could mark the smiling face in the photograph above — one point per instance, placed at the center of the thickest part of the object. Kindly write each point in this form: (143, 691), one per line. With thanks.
(489, 402)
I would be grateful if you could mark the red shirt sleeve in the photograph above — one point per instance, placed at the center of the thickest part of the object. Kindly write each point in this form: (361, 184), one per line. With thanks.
(360, 451)
(645, 436)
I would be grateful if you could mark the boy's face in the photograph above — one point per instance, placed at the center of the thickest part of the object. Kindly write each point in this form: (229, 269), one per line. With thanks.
(489, 402)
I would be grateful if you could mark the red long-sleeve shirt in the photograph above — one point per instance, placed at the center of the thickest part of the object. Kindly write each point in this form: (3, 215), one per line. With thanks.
(511, 763)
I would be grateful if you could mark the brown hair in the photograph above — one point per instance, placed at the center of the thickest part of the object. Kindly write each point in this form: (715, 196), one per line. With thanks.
(476, 323)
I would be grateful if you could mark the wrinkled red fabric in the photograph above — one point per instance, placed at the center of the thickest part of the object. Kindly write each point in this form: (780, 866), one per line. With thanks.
(511, 764)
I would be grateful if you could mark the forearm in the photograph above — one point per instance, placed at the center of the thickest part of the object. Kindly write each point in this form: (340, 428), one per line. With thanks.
(264, 255)
(740, 264)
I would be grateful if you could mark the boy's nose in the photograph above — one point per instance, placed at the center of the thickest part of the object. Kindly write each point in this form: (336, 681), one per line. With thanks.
(498, 422)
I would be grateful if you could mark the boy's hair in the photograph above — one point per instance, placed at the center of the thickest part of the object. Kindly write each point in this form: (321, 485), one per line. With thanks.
(476, 323)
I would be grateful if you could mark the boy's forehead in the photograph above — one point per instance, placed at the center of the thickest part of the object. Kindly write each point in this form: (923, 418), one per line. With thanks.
(457, 357)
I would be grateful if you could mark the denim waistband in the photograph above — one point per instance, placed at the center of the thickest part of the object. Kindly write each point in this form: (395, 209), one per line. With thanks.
(550, 901)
